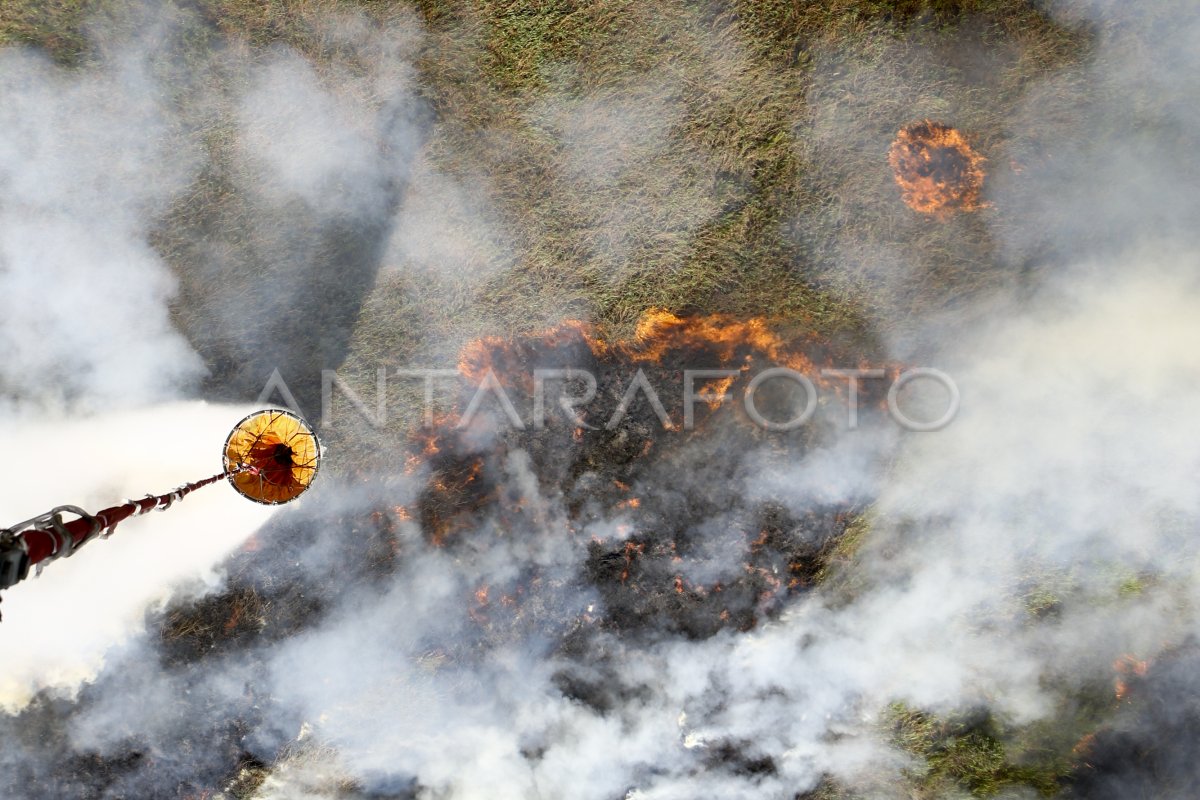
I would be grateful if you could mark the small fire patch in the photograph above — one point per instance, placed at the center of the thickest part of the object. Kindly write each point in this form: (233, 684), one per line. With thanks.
(937, 171)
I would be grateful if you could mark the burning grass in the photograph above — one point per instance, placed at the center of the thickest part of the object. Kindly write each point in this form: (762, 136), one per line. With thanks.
(1133, 751)
(643, 494)
(743, 153)
(938, 172)
(668, 542)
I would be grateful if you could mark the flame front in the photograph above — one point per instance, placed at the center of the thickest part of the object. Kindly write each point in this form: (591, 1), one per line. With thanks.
(644, 555)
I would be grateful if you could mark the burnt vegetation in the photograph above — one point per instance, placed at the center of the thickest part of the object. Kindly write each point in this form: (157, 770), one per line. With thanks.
(685, 551)
(743, 211)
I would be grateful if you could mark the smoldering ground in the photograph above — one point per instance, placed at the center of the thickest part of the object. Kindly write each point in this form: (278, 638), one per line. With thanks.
(363, 660)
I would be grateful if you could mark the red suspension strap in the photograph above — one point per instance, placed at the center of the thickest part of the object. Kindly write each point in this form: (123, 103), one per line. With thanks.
(46, 537)
(271, 457)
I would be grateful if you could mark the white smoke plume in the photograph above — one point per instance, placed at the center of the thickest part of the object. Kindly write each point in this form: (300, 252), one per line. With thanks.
(95, 373)
(58, 627)
(93, 368)
(1073, 456)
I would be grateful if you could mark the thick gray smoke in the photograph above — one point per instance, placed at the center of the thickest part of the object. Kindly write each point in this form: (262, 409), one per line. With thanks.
(1071, 464)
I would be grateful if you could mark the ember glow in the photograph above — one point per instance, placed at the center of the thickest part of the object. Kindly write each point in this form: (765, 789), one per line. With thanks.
(652, 564)
(574, 562)
(937, 171)
(1127, 668)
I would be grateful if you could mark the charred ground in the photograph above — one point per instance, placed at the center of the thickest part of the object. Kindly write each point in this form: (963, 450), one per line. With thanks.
(746, 208)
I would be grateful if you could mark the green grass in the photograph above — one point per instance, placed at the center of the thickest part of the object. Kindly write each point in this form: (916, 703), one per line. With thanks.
(742, 152)
(974, 753)
(740, 204)
(55, 26)
(839, 576)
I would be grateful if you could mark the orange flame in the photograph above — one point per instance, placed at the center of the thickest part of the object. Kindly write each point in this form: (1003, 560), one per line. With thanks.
(936, 169)
(659, 332)
(663, 343)
(632, 551)
(1126, 667)
(499, 355)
